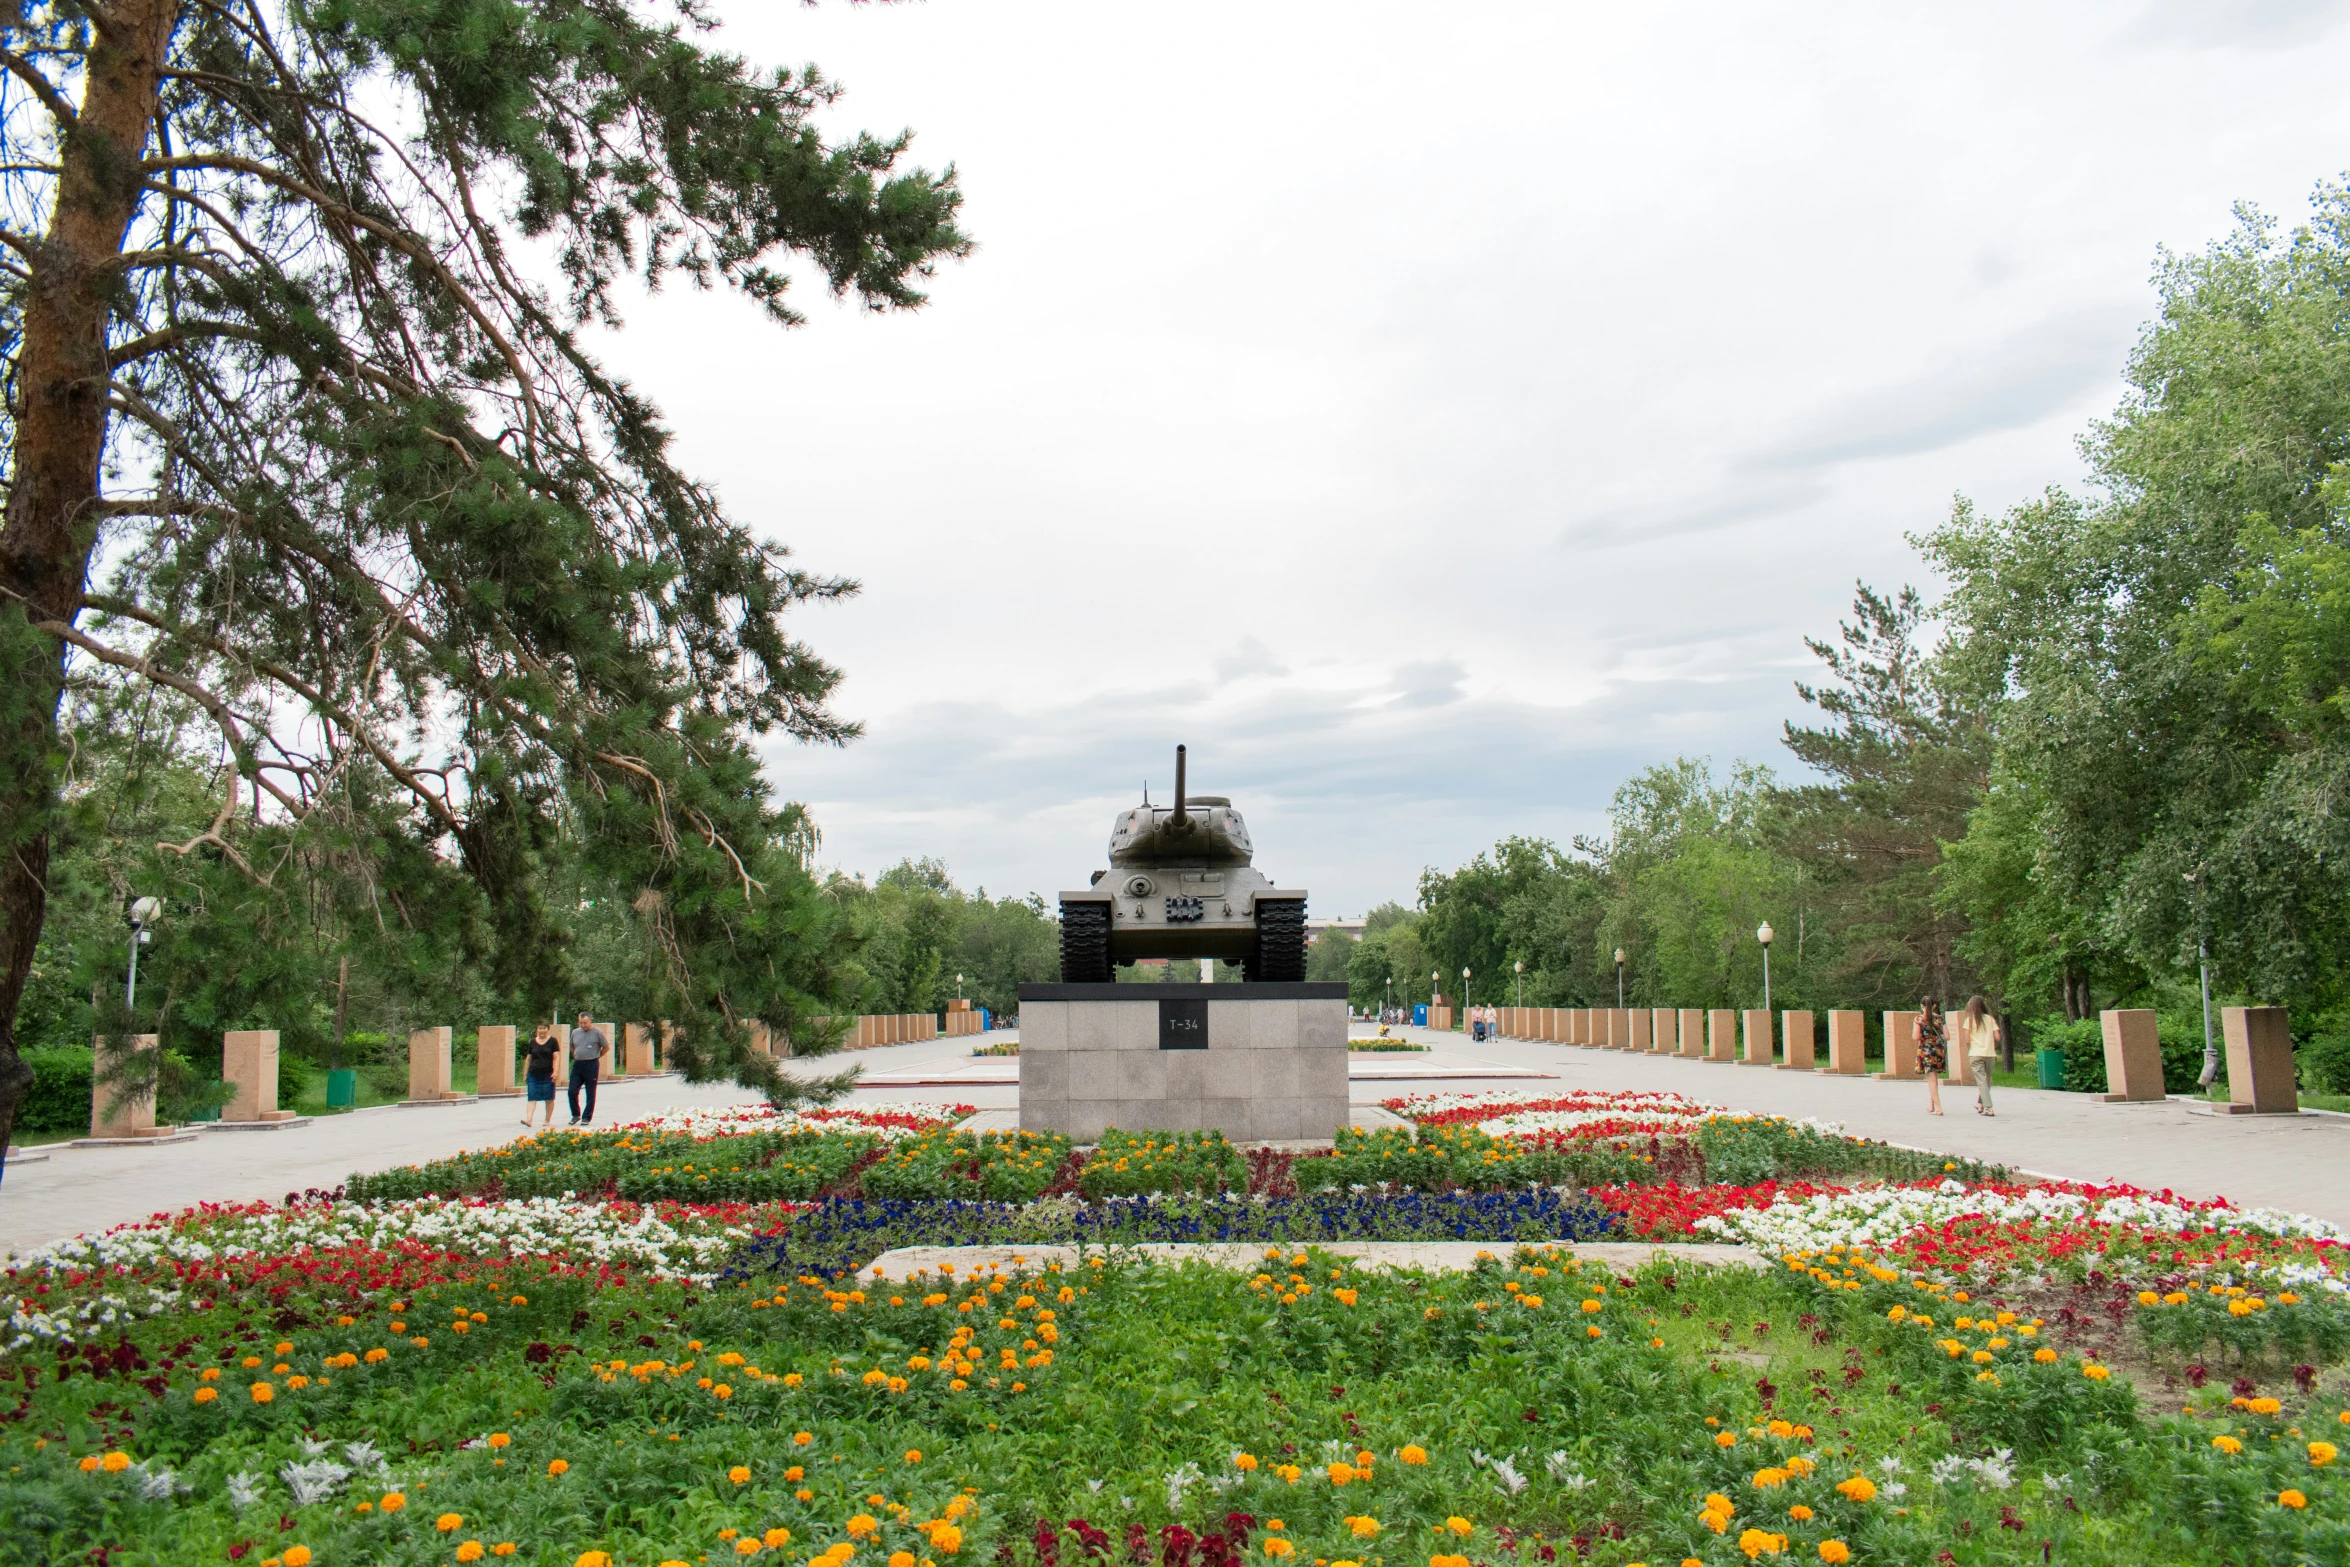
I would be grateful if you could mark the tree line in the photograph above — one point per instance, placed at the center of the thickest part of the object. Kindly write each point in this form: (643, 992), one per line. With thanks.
(2115, 748)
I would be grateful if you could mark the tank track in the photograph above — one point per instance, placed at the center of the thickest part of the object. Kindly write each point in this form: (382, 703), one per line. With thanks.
(1280, 953)
(1085, 944)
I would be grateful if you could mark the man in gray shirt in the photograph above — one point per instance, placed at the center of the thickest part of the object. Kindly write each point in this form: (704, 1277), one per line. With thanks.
(588, 1049)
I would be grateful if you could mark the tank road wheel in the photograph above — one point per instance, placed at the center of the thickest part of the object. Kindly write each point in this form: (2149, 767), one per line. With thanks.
(1085, 944)
(1281, 940)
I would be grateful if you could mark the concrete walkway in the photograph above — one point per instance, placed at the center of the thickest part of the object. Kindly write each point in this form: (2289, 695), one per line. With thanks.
(2293, 1162)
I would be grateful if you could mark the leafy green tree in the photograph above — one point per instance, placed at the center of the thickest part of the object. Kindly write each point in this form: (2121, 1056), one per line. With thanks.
(2167, 652)
(294, 432)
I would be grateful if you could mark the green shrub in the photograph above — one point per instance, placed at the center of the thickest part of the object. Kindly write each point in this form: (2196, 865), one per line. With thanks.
(2324, 1064)
(2083, 1044)
(59, 1098)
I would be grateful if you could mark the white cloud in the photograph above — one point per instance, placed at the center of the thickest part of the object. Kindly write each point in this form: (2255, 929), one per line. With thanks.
(1431, 414)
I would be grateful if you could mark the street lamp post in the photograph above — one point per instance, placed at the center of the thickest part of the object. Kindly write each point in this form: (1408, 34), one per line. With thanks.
(144, 913)
(1435, 987)
(1519, 968)
(1762, 933)
(1464, 1001)
(1619, 979)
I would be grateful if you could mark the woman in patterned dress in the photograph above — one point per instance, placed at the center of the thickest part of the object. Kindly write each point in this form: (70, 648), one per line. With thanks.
(1933, 1051)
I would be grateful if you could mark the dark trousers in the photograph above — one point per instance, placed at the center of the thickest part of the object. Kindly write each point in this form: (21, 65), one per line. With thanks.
(583, 1075)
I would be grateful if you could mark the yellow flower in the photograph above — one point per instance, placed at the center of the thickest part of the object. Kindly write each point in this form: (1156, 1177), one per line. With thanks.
(946, 1539)
(901, 1559)
(1244, 1460)
(296, 1556)
(593, 1559)
(2095, 1373)
(2323, 1453)
(448, 1523)
(863, 1525)
(2149, 1298)
(1835, 1552)
(2044, 1356)
(739, 1473)
(1800, 1513)
(776, 1539)
(2292, 1499)
(1341, 1473)
(556, 1466)
(1725, 1439)
(1757, 1543)
(392, 1502)
(913, 1455)
(1278, 1548)
(746, 1546)
(263, 1392)
(2227, 1444)
(1764, 1479)
(500, 1439)
(1364, 1528)
(1860, 1488)
(470, 1551)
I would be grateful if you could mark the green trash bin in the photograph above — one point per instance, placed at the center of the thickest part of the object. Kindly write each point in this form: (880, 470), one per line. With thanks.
(2051, 1068)
(342, 1087)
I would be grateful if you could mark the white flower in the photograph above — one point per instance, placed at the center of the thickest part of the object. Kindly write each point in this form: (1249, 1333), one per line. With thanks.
(244, 1490)
(1890, 1464)
(1178, 1482)
(312, 1449)
(156, 1484)
(1565, 1473)
(313, 1482)
(364, 1457)
(2056, 1483)
(1947, 1469)
(1507, 1473)
(1895, 1490)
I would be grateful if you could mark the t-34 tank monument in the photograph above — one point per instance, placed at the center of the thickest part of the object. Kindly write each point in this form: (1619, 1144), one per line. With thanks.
(1261, 1060)
(1180, 886)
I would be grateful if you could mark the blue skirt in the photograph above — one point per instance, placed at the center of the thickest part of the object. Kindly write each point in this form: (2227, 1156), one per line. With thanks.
(538, 1090)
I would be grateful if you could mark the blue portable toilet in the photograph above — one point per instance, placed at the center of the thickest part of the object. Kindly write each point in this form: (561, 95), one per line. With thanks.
(1420, 1016)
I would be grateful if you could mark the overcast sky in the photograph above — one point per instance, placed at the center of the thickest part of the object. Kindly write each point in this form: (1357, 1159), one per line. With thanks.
(1434, 414)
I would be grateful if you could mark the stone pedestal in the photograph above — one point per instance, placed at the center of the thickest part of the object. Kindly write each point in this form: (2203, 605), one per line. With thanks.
(1801, 1047)
(1257, 1062)
(248, 1059)
(1664, 1027)
(1640, 1028)
(1848, 1044)
(2133, 1056)
(1721, 1043)
(1619, 1029)
(1761, 1048)
(131, 1116)
(613, 1068)
(2260, 1062)
(493, 1061)
(1692, 1032)
(637, 1054)
(1901, 1046)
(431, 1067)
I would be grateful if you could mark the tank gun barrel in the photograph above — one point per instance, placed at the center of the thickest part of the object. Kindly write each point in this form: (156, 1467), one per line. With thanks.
(1181, 821)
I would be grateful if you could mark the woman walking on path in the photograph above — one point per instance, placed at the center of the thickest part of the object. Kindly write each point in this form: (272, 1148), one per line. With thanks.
(1980, 1030)
(538, 1078)
(1933, 1052)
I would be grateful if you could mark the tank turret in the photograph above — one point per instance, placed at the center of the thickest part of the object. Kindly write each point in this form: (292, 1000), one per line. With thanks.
(1180, 885)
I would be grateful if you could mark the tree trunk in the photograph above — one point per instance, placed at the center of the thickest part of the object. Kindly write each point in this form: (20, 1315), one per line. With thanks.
(51, 521)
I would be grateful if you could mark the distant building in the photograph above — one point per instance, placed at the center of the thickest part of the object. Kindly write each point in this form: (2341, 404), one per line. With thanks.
(1352, 928)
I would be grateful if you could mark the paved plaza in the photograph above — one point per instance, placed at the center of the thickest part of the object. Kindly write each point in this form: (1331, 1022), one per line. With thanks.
(2296, 1162)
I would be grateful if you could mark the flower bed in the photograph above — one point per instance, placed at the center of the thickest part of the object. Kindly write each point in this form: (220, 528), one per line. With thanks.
(1931, 1370)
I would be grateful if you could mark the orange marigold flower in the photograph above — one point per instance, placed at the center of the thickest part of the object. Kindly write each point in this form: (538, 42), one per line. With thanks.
(448, 1523)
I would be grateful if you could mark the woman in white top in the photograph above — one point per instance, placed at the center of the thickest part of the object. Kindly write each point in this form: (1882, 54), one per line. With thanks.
(1978, 1031)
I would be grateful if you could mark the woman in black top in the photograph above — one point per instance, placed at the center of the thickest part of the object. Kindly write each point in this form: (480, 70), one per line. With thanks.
(1933, 1051)
(538, 1082)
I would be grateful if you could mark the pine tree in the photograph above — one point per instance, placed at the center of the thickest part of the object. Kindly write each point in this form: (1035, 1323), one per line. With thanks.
(293, 432)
